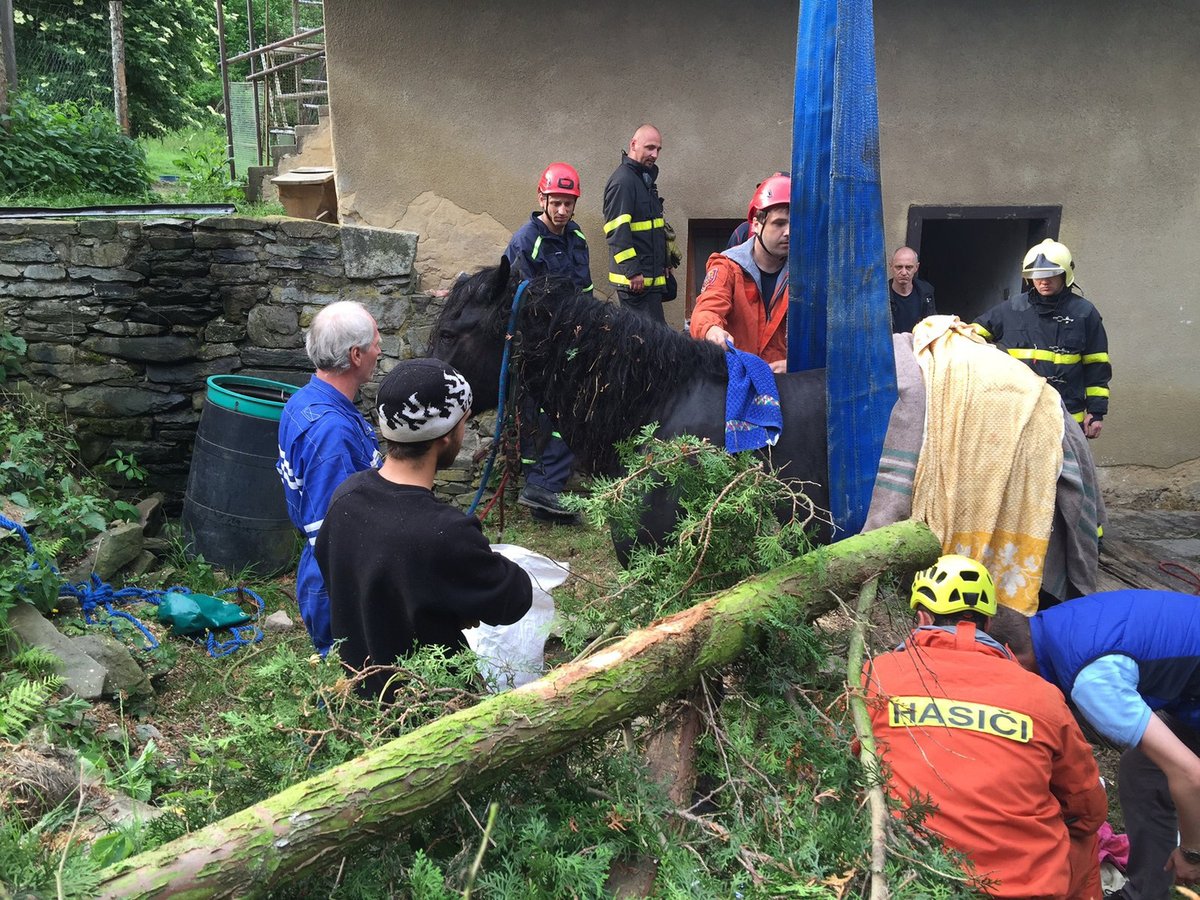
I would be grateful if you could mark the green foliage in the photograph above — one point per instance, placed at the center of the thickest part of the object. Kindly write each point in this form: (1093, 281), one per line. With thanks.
(164, 149)
(40, 474)
(135, 775)
(168, 45)
(127, 466)
(54, 148)
(114, 847)
(204, 164)
(728, 528)
(22, 702)
(12, 355)
(33, 866)
(27, 577)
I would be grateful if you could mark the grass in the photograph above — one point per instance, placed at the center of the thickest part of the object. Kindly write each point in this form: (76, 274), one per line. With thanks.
(159, 194)
(165, 155)
(163, 152)
(63, 201)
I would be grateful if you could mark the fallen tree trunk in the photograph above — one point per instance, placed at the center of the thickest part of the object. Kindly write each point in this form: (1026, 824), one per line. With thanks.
(318, 821)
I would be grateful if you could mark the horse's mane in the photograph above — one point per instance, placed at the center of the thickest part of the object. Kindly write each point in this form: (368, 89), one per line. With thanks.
(603, 370)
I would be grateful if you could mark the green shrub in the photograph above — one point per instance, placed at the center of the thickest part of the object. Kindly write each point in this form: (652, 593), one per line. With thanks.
(58, 148)
(204, 163)
(12, 355)
(42, 478)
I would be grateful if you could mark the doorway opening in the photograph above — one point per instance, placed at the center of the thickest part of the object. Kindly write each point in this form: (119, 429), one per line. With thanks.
(705, 237)
(972, 254)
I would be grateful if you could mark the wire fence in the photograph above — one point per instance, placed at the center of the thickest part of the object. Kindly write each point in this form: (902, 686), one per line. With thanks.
(245, 127)
(63, 50)
(64, 53)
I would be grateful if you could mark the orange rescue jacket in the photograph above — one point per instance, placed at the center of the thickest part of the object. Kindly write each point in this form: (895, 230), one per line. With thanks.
(730, 298)
(997, 751)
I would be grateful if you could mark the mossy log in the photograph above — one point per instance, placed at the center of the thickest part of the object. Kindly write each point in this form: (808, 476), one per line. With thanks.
(317, 822)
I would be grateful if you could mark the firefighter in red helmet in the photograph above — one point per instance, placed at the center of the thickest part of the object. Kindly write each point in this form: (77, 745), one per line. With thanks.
(550, 244)
(745, 294)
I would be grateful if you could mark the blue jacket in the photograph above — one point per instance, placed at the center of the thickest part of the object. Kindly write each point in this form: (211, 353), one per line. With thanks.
(323, 439)
(1151, 640)
(535, 250)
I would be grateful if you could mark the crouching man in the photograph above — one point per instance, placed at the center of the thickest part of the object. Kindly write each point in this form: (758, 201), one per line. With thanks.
(402, 567)
(1012, 780)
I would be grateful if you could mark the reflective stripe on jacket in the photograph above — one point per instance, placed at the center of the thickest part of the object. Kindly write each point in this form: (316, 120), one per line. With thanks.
(996, 750)
(1063, 340)
(634, 226)
(535, 250)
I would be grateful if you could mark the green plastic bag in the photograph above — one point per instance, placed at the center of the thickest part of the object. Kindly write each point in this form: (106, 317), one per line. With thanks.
(193, 614)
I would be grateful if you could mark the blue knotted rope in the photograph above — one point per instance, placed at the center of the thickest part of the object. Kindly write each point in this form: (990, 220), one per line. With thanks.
(501, 398)
(95, 594)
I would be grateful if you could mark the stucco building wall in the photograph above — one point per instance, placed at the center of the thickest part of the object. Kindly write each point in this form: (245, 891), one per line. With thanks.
(443, 117)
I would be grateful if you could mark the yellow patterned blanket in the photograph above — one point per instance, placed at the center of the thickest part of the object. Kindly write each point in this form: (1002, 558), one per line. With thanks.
(991, 456)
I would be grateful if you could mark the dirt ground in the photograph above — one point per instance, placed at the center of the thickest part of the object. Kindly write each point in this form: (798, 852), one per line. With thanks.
(1145, 487)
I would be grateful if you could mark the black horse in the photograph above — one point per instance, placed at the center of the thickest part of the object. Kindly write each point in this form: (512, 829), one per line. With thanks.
(603, 373)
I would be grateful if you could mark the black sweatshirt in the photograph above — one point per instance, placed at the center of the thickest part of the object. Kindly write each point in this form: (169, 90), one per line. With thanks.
(403, 569)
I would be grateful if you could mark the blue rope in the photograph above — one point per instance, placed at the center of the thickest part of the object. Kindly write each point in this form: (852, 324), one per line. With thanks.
(243, 635)
(95, 594)
(501, 398)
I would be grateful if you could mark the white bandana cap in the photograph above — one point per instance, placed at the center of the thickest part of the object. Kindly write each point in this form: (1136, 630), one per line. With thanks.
(421, 400)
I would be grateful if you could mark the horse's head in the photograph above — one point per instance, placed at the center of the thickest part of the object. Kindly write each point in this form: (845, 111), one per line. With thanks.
(469, 331)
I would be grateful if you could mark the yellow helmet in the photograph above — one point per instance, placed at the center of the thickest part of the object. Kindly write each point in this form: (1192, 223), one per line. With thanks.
(954, 584)
(1047, 259)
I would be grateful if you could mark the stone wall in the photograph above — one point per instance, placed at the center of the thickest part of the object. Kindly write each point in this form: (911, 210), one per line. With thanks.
(126, 319)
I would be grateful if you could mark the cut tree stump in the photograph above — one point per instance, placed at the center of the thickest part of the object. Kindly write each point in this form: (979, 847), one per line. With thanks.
(311, 825)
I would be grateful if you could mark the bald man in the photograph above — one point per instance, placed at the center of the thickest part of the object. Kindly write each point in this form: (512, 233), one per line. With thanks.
(634, 227)
(912, 298)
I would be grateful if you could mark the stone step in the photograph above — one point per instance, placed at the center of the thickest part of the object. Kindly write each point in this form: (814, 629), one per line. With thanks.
(303, 132)
(256, 178)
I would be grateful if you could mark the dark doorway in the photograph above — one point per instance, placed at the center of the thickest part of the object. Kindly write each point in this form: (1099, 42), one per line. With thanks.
(972, 254)
(705, 237)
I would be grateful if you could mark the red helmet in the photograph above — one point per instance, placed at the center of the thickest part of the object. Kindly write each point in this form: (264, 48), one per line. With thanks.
(559, 178)
(771, 192)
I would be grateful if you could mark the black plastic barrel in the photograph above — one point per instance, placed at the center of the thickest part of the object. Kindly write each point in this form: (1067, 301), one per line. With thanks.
(234, 512)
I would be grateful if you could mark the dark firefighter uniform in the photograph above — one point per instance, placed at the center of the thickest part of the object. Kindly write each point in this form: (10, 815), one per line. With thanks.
(635, 230)
(1062, 338)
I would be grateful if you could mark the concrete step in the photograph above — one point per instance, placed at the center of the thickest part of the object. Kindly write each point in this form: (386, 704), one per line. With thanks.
(256, 178)
(305, 131)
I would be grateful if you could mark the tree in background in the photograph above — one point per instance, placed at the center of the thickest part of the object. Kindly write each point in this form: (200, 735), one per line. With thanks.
(64, 53)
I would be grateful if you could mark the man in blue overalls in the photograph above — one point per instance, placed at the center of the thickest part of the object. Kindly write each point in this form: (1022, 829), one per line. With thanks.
(323, 439)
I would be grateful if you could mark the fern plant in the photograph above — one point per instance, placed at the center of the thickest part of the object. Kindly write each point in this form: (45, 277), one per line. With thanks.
(33, 662)
(22, 702)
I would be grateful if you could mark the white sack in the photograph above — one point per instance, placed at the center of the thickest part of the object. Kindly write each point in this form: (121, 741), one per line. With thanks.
(513, 655)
